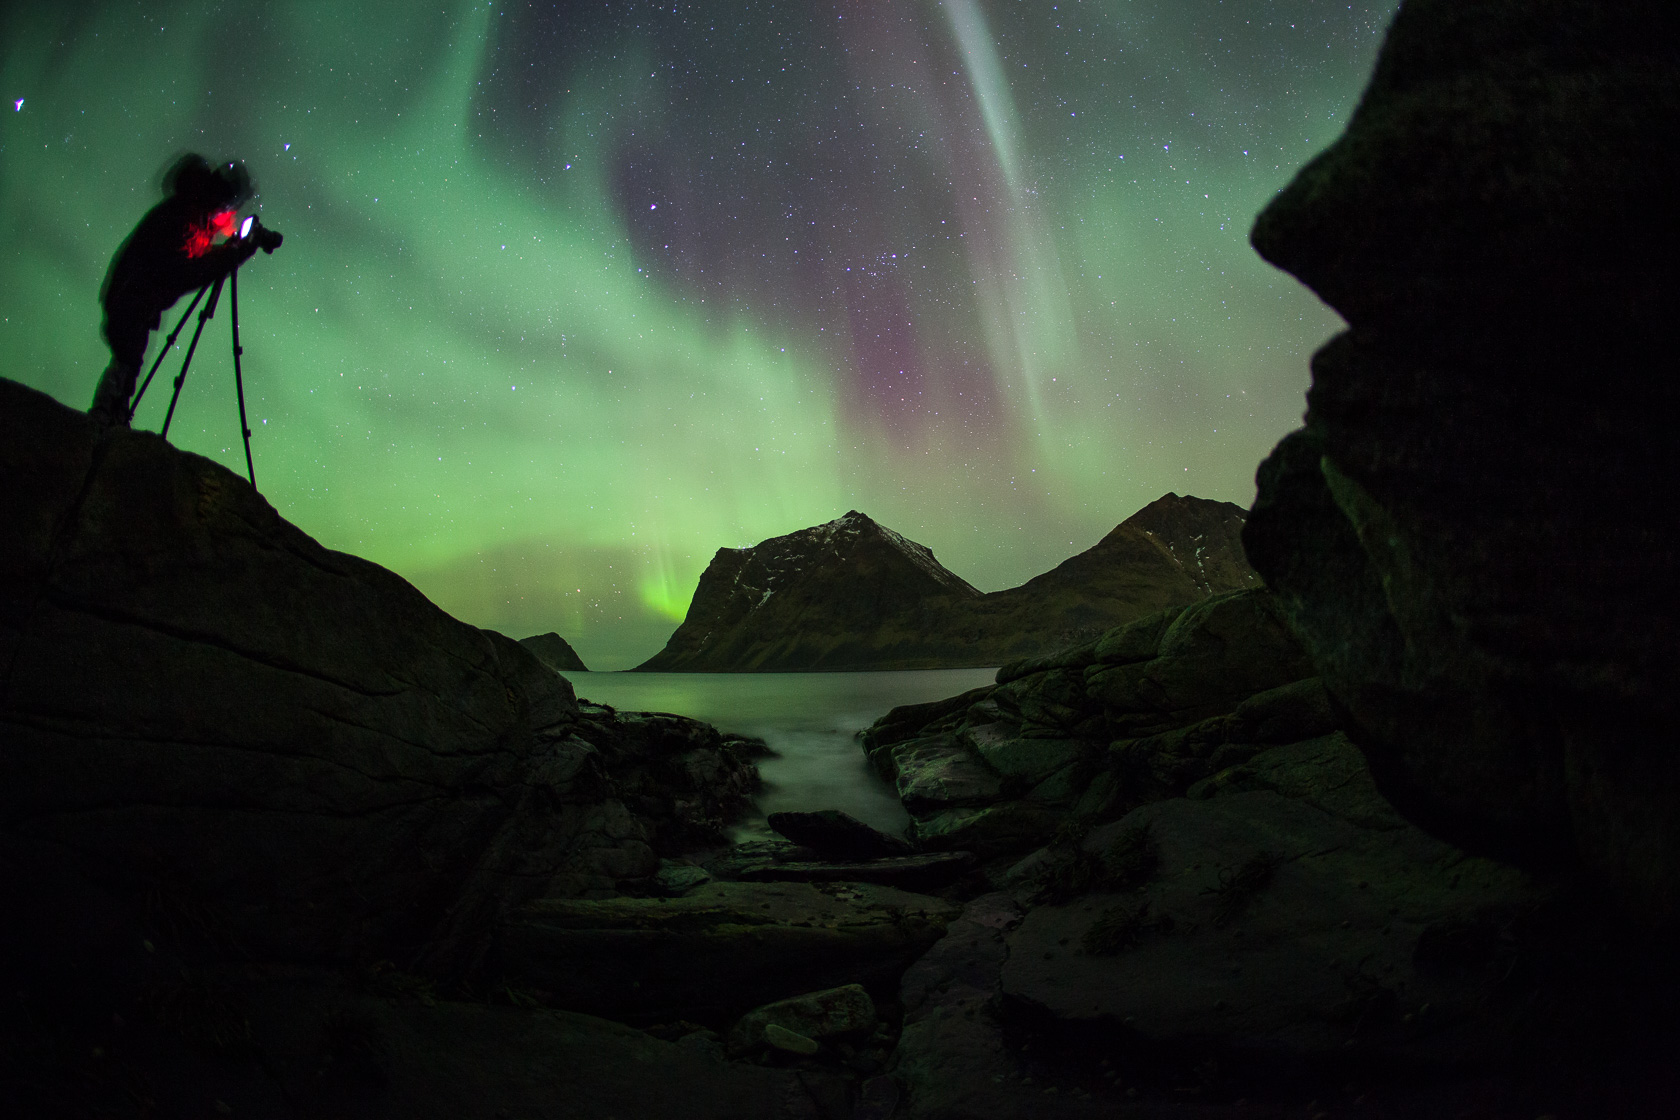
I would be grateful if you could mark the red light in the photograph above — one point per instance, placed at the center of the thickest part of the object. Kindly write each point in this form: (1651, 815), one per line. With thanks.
(201, 237)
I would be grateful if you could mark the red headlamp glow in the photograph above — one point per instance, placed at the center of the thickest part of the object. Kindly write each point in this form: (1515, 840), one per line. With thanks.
(201, 237)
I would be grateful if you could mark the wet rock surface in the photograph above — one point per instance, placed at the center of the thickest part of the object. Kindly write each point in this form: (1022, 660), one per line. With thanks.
(1144, 712)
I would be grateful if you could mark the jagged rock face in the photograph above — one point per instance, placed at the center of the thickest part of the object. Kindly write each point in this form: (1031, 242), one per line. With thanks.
(555, 652)
(203, 705)
(853, 594)
(1143, 713)
(1473, 534)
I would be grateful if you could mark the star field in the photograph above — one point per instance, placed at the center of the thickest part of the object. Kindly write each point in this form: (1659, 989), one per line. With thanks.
(574, 294)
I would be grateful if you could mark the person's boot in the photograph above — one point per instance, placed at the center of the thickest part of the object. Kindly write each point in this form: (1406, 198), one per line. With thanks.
(110, 400)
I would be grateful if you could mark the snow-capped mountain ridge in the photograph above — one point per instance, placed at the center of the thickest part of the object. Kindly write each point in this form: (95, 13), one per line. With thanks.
(853, 594)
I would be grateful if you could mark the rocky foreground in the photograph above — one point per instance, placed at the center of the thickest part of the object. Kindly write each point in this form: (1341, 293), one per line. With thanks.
(282, 839)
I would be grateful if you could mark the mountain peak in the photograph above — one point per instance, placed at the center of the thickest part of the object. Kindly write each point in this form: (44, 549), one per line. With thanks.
(853, 594)
(786, 599)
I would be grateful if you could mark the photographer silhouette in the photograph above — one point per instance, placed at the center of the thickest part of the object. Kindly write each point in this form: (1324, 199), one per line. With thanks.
(171, 252)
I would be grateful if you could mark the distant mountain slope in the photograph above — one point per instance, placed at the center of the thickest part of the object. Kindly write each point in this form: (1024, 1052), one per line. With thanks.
(842, 595)
(853, 594)
(555, 652)
(1171, 552)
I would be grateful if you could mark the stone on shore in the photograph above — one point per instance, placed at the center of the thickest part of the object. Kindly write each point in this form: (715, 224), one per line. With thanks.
(846, 1010)
(719, 950)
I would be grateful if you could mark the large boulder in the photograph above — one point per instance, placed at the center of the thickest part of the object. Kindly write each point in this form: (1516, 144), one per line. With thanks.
(1280, 936)
(831, 1013)
(225, 726)
(1142, 712)
(1284, 920)
(1472, 535)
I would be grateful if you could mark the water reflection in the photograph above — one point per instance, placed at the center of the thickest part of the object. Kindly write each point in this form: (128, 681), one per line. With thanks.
(809, 719)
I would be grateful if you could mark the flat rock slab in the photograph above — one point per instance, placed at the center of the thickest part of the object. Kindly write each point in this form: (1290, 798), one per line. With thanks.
(718, 951)
(940, 772)
(927, 872)
(1313, 955)
(952, 1060)
(1032, 760)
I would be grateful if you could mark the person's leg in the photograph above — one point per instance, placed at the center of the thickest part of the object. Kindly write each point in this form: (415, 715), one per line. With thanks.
(127, 335)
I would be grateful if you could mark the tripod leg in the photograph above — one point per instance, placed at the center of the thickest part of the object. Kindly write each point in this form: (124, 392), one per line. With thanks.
(238, 378)
(169, 344)
(181, 378)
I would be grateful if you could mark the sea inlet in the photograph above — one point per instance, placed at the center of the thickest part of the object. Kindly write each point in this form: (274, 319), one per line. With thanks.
(810, 720)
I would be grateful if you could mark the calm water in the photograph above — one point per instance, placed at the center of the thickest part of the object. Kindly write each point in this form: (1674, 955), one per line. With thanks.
(809, 719)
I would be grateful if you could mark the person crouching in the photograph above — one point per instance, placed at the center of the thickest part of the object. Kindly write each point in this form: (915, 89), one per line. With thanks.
(172, 251)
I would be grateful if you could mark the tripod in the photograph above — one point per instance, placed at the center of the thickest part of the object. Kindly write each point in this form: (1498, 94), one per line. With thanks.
(215, 290)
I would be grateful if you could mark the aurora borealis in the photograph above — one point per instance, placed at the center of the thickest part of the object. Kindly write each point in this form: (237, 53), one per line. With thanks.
(574, 294)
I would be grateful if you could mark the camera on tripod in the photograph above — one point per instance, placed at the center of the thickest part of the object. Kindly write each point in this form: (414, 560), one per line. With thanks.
(268, 240)
(265, 239)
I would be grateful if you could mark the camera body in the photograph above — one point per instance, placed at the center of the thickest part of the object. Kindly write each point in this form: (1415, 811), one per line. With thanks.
(267, 239)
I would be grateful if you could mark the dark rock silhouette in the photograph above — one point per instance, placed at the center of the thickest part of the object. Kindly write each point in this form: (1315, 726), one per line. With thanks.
(832, 834)
(853, 594)
(195, 689)
(555, 652)
(1473, 533)
(246, 781)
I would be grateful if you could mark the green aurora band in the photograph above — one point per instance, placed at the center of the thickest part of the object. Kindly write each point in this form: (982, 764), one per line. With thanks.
(979, 269)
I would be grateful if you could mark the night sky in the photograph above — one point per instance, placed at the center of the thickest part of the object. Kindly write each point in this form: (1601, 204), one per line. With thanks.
(574, 294)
